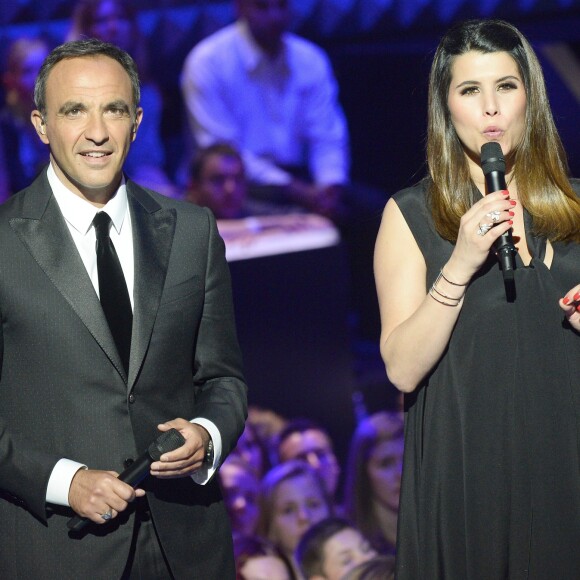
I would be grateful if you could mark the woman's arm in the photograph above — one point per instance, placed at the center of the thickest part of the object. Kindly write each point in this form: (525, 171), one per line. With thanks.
(415, 326)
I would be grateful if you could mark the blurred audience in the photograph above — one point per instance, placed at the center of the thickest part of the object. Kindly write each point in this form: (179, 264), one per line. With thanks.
(253, 451)
(240, 485)
(267, 425)
(257, 559)
(373, 478)
(274, 96)
(378, 568)
(305, 439)
(294, 509)
(331, 548)
(22, 153)
(292, 498)
(115, 21)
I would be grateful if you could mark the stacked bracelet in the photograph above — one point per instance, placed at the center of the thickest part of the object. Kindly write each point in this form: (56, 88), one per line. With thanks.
(444, 299)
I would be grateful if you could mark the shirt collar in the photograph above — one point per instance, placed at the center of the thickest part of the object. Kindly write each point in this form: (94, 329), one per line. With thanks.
(251, 53)
(79, 213)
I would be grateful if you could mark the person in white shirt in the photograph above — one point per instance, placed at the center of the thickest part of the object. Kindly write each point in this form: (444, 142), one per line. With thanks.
(273, 95)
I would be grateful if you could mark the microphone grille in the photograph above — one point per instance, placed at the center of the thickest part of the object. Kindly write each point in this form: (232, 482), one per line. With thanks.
(167, 441)
(492, 158)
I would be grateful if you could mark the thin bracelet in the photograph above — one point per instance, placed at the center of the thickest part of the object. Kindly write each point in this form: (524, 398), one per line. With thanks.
(442, 275)
(434, 290)
(431, 290)
(441, 301)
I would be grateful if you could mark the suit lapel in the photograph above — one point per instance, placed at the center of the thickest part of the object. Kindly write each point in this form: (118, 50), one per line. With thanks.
(44, 231)
(153, 231)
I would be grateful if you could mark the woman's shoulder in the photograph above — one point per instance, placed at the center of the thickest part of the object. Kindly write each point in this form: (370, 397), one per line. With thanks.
(415, 194)
(413, 201)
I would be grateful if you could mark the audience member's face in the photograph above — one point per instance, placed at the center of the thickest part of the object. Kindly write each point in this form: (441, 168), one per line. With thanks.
(268, 20)
(298, 504)
(265, 568)
(249, 451)
(384, 472)
(240, 490)
(89, 124)
(487, 101)
(111, 24)
(314, 447)
(222, 186)
(344, 551)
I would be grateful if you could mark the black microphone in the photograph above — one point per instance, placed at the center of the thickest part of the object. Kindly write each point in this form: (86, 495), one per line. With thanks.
(493, 165)
(138, 470)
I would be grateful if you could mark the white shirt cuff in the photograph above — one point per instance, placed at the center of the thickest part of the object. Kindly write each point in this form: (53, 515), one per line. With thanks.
(60, 481)
(205, 473)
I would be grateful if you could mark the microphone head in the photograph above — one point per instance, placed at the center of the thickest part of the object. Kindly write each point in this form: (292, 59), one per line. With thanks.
(167, 441)
(492, 158)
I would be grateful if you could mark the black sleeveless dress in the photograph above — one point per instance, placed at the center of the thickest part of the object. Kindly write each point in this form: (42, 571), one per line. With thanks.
(491, 476)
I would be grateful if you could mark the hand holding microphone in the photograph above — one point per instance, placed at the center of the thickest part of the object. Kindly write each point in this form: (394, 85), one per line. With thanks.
(138, 470)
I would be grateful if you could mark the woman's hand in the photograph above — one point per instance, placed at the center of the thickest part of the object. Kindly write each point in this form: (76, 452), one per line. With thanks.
(479, 228)
(570, 304)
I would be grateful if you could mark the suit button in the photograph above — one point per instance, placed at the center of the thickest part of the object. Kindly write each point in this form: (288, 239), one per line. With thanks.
(131, 398)
(128, 462)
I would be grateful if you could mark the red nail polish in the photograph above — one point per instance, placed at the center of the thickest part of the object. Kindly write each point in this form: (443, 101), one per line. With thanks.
(505, 192)
(565, 300)
(511, 222)
(578, 308)
(511, 213)
(577, 296)
(513, 201)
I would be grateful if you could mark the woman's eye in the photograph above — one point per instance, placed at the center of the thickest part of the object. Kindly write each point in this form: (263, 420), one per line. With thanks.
(507, 86)
(469, 91)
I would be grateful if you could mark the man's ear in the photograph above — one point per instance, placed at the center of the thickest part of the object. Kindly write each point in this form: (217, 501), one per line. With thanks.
(136, 123)
(39, 124)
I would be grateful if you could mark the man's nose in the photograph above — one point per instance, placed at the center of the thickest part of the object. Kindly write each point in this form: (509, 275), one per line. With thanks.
(96, 129)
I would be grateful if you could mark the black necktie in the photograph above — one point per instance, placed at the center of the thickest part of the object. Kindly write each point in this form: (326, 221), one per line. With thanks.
(113, 288)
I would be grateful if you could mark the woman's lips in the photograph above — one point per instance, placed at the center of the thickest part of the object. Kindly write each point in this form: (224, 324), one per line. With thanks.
(493, 132)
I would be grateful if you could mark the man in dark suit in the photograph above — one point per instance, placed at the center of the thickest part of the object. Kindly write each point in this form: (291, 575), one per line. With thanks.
(76, 405)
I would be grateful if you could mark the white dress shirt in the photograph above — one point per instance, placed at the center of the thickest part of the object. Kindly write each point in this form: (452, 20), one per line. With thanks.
(79, 215)
(281, 111)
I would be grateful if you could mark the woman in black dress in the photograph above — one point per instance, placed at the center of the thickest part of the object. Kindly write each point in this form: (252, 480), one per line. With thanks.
(491, 476)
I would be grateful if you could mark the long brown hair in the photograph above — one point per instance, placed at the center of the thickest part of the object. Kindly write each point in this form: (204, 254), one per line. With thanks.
(358, 493)
(539, 161)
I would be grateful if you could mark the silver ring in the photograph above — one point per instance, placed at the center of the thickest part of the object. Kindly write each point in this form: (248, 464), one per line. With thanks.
(483, 229)
(493, 216)
(107, 515)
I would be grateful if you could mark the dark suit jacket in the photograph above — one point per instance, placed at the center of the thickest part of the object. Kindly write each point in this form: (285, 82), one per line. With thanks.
(64, 393)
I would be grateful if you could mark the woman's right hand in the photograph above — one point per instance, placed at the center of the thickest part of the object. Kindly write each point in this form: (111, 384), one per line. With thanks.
(479, 228)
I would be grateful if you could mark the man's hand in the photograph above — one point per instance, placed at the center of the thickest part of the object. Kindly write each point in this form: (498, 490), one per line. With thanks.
(188, 458)
(93, 493)
(323, 200)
